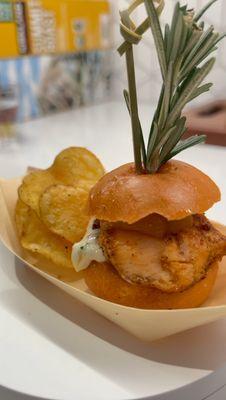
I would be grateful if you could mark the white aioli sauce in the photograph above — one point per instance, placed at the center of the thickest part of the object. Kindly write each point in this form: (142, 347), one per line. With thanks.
(88, 249)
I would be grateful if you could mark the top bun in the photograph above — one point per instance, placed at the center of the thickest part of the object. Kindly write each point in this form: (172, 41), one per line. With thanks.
(175, 191)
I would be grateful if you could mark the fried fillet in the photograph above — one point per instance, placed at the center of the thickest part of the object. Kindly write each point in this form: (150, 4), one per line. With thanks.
(172, 263)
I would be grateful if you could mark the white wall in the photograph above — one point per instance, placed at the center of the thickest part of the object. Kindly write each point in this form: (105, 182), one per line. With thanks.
(148, 77)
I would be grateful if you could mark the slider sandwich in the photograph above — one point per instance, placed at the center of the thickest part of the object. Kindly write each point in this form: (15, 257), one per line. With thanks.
(149, 244)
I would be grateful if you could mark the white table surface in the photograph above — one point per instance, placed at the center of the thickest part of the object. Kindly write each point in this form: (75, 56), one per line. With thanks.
(65, 340)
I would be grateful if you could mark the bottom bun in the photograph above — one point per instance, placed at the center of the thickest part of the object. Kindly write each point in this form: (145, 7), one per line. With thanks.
(104, 282)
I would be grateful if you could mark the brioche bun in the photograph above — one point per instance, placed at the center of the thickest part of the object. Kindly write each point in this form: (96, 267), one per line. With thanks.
(175, 191)
(104, 281)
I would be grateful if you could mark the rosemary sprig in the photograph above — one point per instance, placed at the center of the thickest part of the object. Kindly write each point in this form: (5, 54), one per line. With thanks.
(183, 53)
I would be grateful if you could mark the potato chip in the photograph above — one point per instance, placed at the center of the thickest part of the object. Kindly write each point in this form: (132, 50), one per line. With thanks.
(64, 210)
(77, 163)
(73, 166)
(36, 237)
(85, 185)
(32, 187)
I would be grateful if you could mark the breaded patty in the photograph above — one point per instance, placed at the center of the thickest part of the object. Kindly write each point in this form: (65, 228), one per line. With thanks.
(171, 263)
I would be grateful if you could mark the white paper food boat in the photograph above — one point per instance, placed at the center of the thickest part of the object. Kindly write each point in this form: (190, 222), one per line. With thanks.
(145, 324)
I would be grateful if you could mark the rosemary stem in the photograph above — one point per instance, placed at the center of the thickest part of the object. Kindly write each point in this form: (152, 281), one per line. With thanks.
(134, 108)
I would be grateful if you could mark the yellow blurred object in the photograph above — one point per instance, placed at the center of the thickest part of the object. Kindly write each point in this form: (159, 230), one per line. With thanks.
(53, 26)
(8, 40)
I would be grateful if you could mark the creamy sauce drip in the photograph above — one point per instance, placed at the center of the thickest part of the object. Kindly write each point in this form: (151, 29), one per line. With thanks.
(88, 249)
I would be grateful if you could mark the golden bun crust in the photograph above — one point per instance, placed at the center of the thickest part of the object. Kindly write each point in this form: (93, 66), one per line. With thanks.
(175, 191)
(104, 282)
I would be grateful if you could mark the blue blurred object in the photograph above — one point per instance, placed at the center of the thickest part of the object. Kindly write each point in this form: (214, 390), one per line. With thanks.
(45, 84)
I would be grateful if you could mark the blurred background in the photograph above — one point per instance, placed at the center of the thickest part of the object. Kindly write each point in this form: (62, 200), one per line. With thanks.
(61, 54)
(54, 56)
(148, 77)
